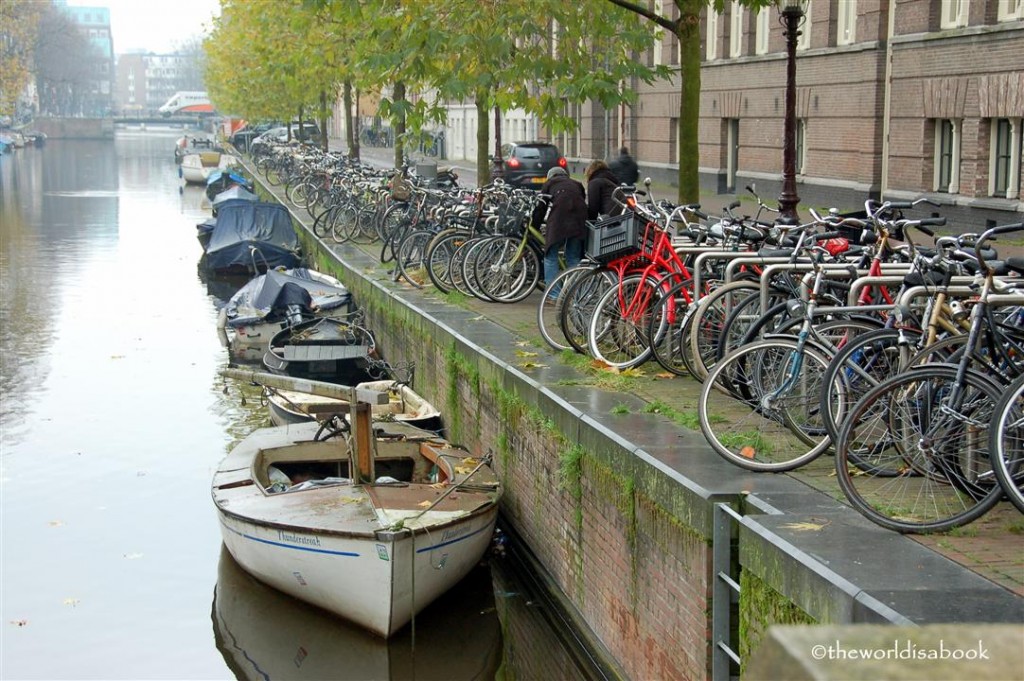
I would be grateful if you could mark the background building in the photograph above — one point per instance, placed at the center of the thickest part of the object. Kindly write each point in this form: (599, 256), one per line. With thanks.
(94, 24)
(895, 98)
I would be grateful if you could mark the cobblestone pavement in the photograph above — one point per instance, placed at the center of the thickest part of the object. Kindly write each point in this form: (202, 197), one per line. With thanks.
(992, 547)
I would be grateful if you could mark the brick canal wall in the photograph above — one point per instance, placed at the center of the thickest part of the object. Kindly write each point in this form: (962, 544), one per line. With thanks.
(631, 547)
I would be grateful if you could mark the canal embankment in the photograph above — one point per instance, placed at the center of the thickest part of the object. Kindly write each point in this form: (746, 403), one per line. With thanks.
(674, 563)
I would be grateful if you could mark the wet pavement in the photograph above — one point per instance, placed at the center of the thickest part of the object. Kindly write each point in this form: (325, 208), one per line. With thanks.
(991, 548)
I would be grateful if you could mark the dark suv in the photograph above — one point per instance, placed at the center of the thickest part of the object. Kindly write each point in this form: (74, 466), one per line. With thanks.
(526, 164)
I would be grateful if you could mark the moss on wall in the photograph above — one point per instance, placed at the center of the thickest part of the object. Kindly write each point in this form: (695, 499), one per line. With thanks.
(760, 607)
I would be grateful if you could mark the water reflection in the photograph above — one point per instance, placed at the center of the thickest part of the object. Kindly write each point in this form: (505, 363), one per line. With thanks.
(264, 634)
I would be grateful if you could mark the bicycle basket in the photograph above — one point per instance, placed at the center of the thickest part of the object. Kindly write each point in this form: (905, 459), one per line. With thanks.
(619, 236)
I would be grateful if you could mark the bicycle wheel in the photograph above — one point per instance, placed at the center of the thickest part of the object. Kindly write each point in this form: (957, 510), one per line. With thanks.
(708, 321)
(507, 270)
(667, 328)
(930, 426)
(550, 308)
(617, 333)
(860, 365)
(1007, 443)
(579, 303)
(758, 407)
(409, 262)
(438, 259)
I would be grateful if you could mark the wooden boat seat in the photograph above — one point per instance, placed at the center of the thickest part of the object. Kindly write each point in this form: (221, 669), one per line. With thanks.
(314, 353)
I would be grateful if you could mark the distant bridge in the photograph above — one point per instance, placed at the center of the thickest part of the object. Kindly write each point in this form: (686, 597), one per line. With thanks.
(170, 121)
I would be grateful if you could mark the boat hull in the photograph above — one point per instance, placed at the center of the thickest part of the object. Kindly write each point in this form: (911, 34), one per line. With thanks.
(378, 584)
(373, 554)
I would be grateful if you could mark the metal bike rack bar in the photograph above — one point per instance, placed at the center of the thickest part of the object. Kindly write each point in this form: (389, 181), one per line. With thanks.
(698, 264)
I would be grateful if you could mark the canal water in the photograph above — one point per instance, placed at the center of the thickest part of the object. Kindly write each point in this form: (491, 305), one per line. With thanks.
(112, 420)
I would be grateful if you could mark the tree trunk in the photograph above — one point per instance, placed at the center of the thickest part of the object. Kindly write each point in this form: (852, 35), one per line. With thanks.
(398, 123)
(689, 108)
(483, 134)
(351, 122)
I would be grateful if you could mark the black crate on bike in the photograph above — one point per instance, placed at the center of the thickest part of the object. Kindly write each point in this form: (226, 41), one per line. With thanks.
(615, 237)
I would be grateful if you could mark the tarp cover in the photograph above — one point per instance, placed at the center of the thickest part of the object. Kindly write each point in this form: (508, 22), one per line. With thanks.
(244, 226)
(234, 193)
(265, 297)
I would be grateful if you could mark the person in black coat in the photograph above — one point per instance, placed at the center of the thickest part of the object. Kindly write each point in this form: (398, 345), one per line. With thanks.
(601, 186)
(566, 221)
(625, 168)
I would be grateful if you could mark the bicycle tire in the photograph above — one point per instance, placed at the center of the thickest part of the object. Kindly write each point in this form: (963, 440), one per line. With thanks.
(709, 319)
(409, 261)
(550, 308)
(617, 332)
(580, 299)
(903, 421)
(667, 346)
(1006, 445)
(749, 427)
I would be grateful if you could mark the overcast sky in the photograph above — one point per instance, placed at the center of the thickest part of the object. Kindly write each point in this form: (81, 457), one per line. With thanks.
(155, 25)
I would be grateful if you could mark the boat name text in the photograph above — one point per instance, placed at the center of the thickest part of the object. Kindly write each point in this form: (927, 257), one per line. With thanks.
(297, 539)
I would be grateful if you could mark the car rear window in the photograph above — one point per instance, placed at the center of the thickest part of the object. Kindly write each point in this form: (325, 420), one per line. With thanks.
(545, 152)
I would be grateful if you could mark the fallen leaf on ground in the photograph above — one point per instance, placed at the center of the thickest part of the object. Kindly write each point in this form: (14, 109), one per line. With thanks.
(805, 527)
(524, 353)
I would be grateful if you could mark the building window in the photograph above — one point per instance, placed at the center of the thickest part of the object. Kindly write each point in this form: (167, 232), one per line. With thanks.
(762, 31)
(846, 23)
(803, 41)
(711, 43)
(1011, 10)
(732, 146)
(735, 29)
(1004, 171)
(801, 145)
(947, 156)
(954, 13)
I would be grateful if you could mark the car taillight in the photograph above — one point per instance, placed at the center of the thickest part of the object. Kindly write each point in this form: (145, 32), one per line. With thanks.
(513, 163)
(562, 162)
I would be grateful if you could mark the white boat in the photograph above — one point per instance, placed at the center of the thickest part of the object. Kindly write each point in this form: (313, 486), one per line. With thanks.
(263, 634)
(372, 533)
(196, 167)
(404, 405)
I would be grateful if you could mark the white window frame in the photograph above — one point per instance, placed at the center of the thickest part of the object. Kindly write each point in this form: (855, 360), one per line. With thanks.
(658, 51)
(954, 171)
(1013, 176)
(736, 12)
(954, 13)
(711, 44)
(1011, 10)
(846, 23)
(803, 41)
(762, 31)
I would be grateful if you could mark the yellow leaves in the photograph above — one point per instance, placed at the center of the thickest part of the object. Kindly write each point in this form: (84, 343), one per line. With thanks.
(425, 503)
(807, 526)
(531, 365)
(524, 353)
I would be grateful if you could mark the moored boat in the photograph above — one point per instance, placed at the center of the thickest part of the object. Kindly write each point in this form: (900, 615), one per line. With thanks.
(333, 349)
(265, 634)
(196, 166)
(259, 309)
(404, 405)
(253, 237)
(372, 532)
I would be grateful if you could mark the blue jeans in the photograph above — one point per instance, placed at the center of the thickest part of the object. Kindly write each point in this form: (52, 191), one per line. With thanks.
(573, 255)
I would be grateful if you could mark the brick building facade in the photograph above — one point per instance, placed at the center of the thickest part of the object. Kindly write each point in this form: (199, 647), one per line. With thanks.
(895, 98)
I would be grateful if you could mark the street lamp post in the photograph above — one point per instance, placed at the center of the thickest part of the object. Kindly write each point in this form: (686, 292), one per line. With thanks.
(791, 16)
